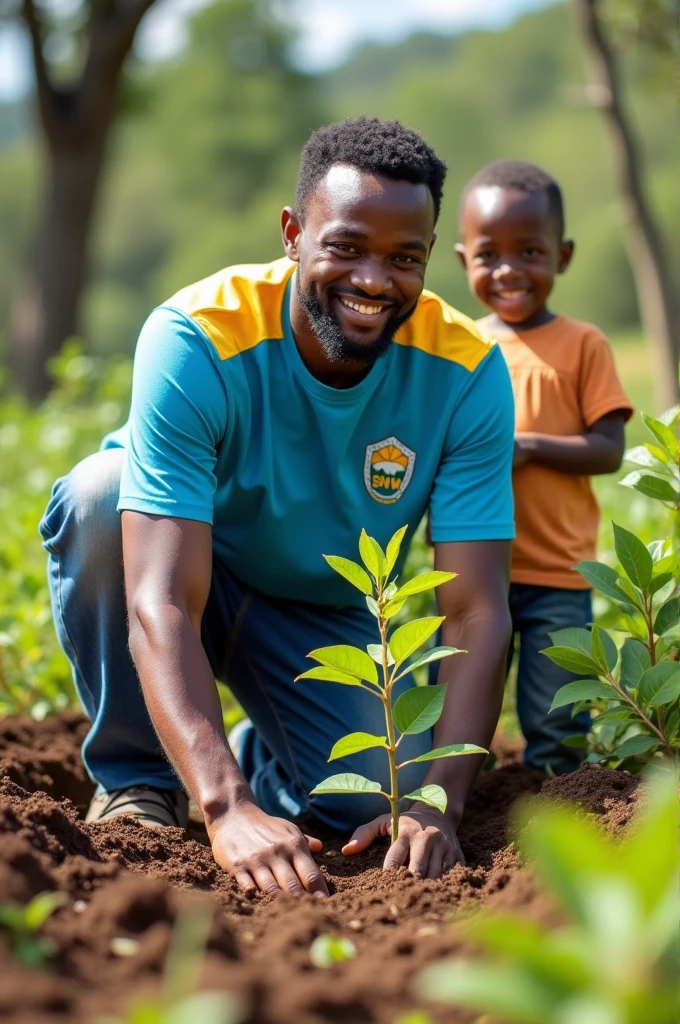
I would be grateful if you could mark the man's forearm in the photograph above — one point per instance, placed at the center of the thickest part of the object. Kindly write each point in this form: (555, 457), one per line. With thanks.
(580, 454)
(181, 695)
(473, 702)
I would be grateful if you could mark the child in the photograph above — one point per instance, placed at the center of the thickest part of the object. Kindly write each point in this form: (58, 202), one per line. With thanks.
(569, 414)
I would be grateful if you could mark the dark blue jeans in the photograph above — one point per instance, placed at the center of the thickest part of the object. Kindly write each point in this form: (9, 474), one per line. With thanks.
(536, 612)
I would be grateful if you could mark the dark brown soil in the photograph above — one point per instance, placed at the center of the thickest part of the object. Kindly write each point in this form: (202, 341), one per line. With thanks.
(124, 881)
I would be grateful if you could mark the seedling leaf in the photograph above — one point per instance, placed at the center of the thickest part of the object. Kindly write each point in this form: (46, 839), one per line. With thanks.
(648, 456)
(207, 1007)
(664, 435)
(352, 572)
(347, 782)
(393, 549)
(426, 581)
(418, 709)
(372, 555)
(667, 616)
(574, 661)
(636, 745)
(348, 659)
(326, 674)
(432, 795)
(41, 907)
(453, 750)
(660, 684)
(603, 578)
(375, 652)
(582, 689)
(372, 606)
(633, 556)
(435, 654)
(406, 640)
(393, 607)
(327, 950)
(355, 742)
(651, 486)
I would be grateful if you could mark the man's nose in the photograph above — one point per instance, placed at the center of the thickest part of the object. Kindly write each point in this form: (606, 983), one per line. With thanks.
(372, 277)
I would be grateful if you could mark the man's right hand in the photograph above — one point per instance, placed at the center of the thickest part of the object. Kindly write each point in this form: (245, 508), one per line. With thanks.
(266, 853)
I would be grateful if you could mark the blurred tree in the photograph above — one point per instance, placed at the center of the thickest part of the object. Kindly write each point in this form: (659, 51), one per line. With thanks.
(607, 27)
(78, 57)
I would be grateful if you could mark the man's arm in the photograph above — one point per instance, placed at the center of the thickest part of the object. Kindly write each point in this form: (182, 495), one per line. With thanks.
(478, 621)
(598, 450)
(168, 567)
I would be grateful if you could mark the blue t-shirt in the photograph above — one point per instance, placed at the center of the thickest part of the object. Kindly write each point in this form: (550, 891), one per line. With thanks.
(228, 427)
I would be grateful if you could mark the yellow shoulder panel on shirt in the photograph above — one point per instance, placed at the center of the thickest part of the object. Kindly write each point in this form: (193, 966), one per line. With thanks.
(238, 307)
(440, 330)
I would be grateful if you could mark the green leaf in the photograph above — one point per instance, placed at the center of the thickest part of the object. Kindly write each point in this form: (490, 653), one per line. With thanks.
(393, 549)
(660, 684)
(615, 714)
(513, 995)
(327, 950)
(208, 1007)
(603, 578)
(580, 639)
(41, 907)
(431, 794)
(348, 659)
(406, 640)
(664, 436)
(453, 750)
(659, 581)
(323, 673)
(671, 417)
(605, 654)
(372, 555)
(375, 652)
(418, 708)
(651, 486)
(354, 743)
(668, 563)
(426, 581)
(347, 782)
(582, 689)
(648, 456)
(635, 745)
(351, 571)
(573, 661)
(372, 606)
(633, 556)
(634, 661)
(393, 608)
(434, 654)
(578, 740)
(667, 616)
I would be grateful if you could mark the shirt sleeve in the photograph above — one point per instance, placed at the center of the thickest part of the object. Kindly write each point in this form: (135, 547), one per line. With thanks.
(178, 417)
(600, 390)
(472, 494)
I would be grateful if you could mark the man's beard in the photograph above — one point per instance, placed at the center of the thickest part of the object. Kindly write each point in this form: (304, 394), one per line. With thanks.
(336, 345)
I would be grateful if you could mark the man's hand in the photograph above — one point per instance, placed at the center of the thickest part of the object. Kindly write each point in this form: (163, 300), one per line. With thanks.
(427, 843)
(266, 853)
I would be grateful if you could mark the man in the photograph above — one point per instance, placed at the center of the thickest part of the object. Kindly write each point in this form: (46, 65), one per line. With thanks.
(260, 398)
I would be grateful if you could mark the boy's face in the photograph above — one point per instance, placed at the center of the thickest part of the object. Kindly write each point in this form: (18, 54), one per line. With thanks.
(512, 250)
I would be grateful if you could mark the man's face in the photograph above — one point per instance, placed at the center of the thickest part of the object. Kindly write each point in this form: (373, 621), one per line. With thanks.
(362, 249)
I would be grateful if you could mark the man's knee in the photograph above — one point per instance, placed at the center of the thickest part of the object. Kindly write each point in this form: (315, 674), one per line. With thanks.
(82, 507)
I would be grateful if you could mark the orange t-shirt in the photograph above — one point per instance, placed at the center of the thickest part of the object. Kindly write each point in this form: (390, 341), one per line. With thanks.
(564, 379)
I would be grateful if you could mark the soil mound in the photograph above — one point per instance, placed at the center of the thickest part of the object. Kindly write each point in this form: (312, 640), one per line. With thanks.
(125, 886)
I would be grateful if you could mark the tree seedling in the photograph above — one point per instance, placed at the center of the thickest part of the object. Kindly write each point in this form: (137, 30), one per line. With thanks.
(327, 950)
(22, 925)
(380, 667)
(635, 691)
(614, 959)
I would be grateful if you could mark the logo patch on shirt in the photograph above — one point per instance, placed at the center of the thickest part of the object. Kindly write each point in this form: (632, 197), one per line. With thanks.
(388, 469)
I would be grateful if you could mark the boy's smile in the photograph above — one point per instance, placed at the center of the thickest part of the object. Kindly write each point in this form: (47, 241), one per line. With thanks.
(512, 250)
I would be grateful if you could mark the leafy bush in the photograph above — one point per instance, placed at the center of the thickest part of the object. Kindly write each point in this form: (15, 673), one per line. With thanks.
(414, 711)
(634, 691)
(614, 960)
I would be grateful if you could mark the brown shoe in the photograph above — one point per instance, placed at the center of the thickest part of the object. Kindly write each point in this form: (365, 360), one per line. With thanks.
(155, 808)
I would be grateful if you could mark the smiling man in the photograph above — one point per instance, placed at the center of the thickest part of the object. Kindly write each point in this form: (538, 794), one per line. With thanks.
(276, 410)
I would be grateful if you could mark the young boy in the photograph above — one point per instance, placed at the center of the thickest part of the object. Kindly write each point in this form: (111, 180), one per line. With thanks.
(569, 414)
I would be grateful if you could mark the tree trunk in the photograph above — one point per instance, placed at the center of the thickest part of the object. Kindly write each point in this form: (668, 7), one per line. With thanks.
(656, 301)
(46, 311)
(75, 123)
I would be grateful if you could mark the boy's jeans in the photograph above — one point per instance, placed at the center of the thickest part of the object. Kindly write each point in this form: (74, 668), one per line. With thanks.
(537, 611)
(254, 643)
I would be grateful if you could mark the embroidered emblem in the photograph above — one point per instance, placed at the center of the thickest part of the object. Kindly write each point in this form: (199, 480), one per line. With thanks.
(388, 469)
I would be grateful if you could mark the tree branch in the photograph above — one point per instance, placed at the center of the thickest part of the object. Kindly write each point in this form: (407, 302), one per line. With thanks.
(42, 78)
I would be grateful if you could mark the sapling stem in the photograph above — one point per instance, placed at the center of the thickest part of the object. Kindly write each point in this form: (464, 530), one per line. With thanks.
(389, 723)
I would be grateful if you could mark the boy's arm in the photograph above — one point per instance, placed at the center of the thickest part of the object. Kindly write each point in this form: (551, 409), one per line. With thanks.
(598, 450)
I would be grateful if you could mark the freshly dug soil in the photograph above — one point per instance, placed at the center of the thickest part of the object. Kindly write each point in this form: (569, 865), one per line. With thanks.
(123, 881)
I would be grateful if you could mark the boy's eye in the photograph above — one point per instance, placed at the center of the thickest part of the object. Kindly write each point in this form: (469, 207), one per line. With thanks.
(485, 254)
(531, 250)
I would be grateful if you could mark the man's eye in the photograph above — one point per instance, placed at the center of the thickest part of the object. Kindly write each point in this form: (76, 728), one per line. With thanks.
(408, 260)
(341, 247)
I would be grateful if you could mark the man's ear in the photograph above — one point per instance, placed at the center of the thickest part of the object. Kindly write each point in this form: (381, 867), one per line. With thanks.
(566, 254)
(434, 239)
(291, 229)
(460, 253)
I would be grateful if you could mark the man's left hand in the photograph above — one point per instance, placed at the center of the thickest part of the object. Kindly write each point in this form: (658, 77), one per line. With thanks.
(427, 844)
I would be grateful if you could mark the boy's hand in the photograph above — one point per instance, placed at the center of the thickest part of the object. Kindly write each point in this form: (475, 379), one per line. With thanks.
(427, 845)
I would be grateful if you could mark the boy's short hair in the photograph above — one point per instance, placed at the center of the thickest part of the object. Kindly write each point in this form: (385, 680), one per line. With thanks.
(523, 176)
(373, 145)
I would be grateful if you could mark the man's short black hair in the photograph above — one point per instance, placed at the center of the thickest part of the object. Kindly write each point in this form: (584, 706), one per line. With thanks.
(373, 145)
(523, 176)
